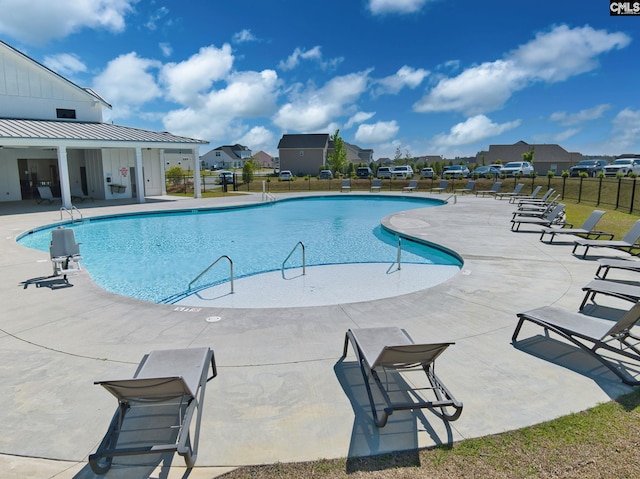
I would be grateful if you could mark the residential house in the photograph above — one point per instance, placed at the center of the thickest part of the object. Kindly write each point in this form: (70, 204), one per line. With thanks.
(52, 133)
(226, 157)
(264, 160)
(355, 154)
(547, 157)
(304, 154)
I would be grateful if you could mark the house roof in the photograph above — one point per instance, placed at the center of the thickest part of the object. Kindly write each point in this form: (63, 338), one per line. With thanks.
(304, 141)
(15, 132)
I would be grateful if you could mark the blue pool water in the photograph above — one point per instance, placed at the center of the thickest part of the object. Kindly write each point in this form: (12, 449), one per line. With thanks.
(154, 257)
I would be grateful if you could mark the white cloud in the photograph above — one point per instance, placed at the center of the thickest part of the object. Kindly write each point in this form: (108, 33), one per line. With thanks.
(127, 83)
(358, 118)
(404, 77)
(314, 109)
(378, 7)
(187, 79)
(257, 138)
(39, 21)
(155, 17)
(472, 130)
(65, 64)
(550, 57)
(314, 54)
(568, 119)
(379, 132)
(626, 130)
(244, 36)
(166, 49)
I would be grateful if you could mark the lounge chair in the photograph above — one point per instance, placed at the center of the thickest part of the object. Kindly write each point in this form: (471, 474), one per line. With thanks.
(538, 211)
(412, 186)
(590, 334)
(533, 195)
(586, 230)
(376, 184)
(156, 407)
(389, 350)
(627, 292)
(554, 217)
(78, 194)
(535, 201)
(516, 192)
(64, 252)
(606, 264)
(442, 186)
(494, 189)
(471, 186)
(346, 186)
(45, 194)
(629, 242)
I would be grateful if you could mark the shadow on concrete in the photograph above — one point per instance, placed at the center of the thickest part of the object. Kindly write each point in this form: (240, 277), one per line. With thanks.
(51, 282)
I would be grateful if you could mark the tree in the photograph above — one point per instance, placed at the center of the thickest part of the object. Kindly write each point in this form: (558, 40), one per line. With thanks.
(397, 158)
(247, 171)
(528, 156)
(175, 174)
(338, 157)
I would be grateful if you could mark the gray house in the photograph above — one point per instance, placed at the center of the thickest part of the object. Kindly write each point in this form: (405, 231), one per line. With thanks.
(546, 156)
(304, 154)
(226, 157)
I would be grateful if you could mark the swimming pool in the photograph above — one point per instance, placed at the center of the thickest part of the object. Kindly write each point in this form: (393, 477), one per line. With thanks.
(155, 256)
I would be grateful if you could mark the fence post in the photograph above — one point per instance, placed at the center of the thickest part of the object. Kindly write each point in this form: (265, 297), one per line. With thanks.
(633, 195)
(599, 191)
(580, 189)
(618, 193)
(564, 184)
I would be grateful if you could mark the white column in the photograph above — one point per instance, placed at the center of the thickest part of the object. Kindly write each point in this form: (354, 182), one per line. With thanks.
(163, 168)
(139, 176)
(65, 182)
(196, 173)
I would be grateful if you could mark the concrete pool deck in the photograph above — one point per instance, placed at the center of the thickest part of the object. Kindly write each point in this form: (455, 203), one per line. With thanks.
(282, 394)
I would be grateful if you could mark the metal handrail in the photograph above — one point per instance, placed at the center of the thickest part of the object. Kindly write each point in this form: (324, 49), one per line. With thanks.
(399, 256)
(211, 266)
(455, 198)
(69, 211)
(304, 261)
(268, 196)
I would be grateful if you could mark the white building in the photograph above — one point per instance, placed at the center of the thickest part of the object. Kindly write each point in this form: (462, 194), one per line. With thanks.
(52, 133)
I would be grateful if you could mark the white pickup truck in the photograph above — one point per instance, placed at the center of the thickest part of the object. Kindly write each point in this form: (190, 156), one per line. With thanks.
(624, 166)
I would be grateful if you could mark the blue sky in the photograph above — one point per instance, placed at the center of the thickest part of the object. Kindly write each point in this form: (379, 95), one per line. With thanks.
(428, 77)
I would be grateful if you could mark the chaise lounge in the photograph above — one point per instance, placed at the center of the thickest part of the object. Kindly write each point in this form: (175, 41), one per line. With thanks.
(586, 230)
(494, 190)
(629, 242)
(156, 407)
(591, 335)
(625, 291)
(555, 216)
(390, 351)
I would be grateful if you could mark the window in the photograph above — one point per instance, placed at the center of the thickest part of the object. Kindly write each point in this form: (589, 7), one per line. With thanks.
(301, 153)
(65, 113)
(217, 153)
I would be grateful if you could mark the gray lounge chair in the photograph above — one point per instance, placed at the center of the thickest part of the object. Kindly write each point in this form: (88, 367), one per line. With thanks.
(161, 399)
(628, 243)
(390, 350)
(628, 292)
(78, 194)
(376, 184)
(555, 216)
(586, 230)
(45, 194)
(412, 186)
(471, 186)
(590, 334)
(605, 264)
(535, 201)
(64, 252)
(533, 195)
(442, 186)
(494, 189)
(346, 186)
(516, 192)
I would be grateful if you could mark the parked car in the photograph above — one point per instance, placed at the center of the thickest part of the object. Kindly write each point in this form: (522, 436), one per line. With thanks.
(515, 167)
(590, 167)
(483, 171)
(286, 175)
(364, 172)
(404, 171)
(623, 166)
(427, 173)
(225, 176)
(456, 171)
(384, 172)
(326, 175)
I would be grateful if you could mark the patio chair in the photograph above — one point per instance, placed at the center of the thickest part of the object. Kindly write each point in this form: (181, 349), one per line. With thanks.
(390, 352)
(471, 186)
(627, 243)
(536, 209)
(376, 185)
(535, 201)
(442, 186)
(156, 407)
(586, 230)
(64, 252)
(516, 192)
(494, 189)
(606, 264)
(45, 194)
(412, 186)
(346, 185)
(590, 334)
(78, 194)
(554, 217)
(533, 195)
(627, 292)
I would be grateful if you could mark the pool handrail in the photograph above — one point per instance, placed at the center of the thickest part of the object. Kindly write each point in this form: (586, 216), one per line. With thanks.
(304, 261)
(211, 266)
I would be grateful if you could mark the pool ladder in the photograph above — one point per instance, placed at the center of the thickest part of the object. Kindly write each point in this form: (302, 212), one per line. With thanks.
(224, 256)
(304, 261)
(70, 211)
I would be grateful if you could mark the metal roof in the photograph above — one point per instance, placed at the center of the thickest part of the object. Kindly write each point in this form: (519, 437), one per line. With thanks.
(301, 141)
(18, 132)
